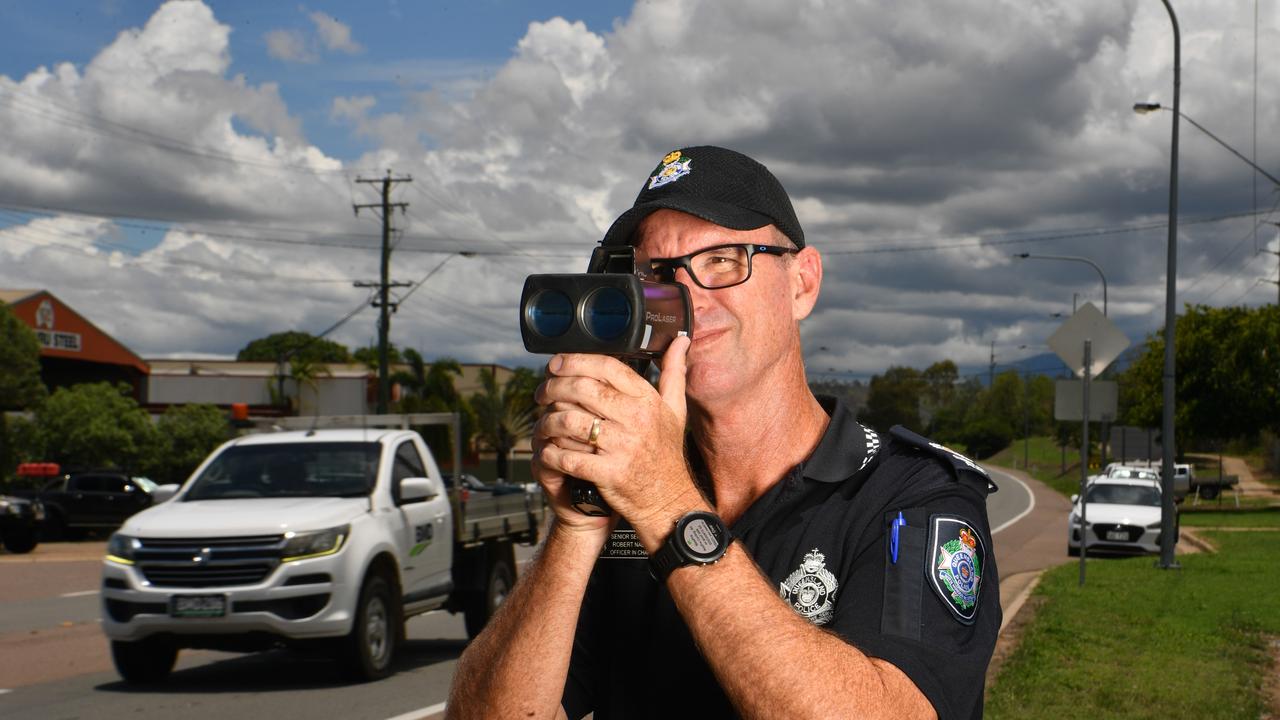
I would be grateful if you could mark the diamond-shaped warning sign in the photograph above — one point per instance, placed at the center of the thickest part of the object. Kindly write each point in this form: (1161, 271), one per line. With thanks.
(1088, 323)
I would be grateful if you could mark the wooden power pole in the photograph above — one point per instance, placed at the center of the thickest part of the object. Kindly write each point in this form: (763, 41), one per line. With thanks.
(384, 284)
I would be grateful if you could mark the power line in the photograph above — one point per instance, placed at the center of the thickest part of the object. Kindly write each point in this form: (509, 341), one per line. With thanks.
(68, 116)
(184, 226)
(1245, 268)
(1253, 232)
(1119, 230)
(17, 233)
(1248, 290)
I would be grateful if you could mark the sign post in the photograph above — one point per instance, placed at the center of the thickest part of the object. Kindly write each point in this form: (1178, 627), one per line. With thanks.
(1084, 463)
(1088, 342)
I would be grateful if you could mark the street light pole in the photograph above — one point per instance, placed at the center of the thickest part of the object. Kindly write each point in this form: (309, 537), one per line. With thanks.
(1167, 536)
(1074, 258)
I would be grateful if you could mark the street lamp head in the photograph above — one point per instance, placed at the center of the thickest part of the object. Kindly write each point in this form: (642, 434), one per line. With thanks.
(1144, 108)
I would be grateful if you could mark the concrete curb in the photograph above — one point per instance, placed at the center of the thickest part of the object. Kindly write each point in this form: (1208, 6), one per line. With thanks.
(1199, 543)
(1012, 611)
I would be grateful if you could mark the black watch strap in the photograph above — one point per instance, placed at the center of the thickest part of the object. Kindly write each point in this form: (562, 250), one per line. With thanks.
(699, 538)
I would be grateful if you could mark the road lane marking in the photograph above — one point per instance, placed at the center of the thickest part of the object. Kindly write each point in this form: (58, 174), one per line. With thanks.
(82, 593)
(1030, 506)
(420, 712)
(3, 691)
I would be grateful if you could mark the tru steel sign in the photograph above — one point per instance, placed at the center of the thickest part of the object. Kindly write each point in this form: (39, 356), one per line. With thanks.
(50, 338)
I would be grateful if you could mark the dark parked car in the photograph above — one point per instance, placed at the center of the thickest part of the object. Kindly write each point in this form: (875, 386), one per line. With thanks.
(475, 484)
(20, 521)
(81, 501)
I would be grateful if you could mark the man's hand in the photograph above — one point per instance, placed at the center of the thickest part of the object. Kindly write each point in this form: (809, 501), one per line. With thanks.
(637, 461)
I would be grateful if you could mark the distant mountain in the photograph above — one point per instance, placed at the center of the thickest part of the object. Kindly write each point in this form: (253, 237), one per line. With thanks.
(1048, 364)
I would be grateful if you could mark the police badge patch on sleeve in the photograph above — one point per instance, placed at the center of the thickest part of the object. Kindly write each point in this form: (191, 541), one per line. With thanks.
(955, 563)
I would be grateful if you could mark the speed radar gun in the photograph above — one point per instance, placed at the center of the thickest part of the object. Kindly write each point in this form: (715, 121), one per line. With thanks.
(618, 308)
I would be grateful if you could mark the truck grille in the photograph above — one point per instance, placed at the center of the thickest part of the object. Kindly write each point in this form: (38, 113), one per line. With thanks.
(208, 562)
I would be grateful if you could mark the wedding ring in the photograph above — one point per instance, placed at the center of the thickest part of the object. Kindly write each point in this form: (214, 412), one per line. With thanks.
(594, 437)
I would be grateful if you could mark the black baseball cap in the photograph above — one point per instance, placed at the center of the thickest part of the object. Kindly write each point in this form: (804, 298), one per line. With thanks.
(717, 185)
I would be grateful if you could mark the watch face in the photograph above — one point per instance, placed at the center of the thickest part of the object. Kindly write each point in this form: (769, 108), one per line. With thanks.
(702, 538)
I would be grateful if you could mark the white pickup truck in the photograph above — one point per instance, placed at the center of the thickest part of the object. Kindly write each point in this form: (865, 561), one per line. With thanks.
(328, 538)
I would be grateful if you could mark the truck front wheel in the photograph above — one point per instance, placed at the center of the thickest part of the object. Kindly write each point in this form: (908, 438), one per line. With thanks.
(481, 607)
(21, 540)
(368, 650)
(144, 661)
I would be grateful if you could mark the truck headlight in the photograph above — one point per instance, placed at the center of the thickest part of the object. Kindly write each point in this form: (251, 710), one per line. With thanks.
(121, 548)
(9, 508)
(303, 545)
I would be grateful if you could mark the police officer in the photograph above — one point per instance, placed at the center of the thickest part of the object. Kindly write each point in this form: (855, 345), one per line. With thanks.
(795, 563)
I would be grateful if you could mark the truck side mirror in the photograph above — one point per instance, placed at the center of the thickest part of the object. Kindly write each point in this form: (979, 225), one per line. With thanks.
(163, 493)
(1074, 498)
(417, 489)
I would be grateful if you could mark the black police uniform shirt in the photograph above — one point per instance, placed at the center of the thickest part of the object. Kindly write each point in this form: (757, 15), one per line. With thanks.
(825, 536)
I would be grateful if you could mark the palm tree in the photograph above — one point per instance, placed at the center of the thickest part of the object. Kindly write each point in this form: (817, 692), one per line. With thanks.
(430, 388)
(505, 415)
(305, 373)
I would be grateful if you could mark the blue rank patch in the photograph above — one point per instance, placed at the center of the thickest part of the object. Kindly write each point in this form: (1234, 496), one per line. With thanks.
(955, 564)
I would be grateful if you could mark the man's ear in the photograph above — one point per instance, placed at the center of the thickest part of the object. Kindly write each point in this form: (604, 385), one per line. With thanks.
(806, 280)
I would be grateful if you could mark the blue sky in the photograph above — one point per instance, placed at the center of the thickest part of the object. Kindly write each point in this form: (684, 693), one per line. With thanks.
(197, 162)
(405, 45)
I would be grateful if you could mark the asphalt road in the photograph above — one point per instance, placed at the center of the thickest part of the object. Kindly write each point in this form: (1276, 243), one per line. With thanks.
(55, 662)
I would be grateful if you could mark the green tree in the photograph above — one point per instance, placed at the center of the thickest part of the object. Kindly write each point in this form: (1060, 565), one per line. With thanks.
(505, 414)
(20, 385)
(186, 434)
(294, 344)
(949, 422)
(1228, 376)
(369, 355)
(995, 418)
(940, 380)
(95, 425)
(894, 399)
(1039, 393)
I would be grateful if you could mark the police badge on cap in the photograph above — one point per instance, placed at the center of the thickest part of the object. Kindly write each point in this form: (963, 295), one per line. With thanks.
(955, 565)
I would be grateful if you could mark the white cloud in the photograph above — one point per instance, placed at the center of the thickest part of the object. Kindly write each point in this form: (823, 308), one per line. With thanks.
(333, 34)
(893, 128)
(290, 46)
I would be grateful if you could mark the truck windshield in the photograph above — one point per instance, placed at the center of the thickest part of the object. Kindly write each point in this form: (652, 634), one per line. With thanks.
(332, 469)
(1124, 495)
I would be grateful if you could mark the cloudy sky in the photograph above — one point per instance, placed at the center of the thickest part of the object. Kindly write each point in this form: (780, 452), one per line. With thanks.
(184, 173)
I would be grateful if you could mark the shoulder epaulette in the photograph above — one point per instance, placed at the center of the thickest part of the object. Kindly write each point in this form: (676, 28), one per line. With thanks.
(960, 465)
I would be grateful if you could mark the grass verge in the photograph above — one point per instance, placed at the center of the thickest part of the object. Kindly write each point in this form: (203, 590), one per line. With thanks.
(1137, 642)
(1044, 462)
(1260, 517)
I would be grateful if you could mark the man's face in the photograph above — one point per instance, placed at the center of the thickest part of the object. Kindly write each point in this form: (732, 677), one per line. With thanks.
(740, 333)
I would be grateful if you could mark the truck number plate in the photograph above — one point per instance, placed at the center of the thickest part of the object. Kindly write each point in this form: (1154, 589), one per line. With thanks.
(197, 606)
(1117, 535)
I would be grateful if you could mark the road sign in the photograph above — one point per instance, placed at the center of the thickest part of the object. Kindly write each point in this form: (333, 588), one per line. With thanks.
(1068, 400)
(1088, 323)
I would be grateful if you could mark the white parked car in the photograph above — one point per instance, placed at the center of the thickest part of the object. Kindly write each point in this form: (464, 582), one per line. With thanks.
(1123, 515)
